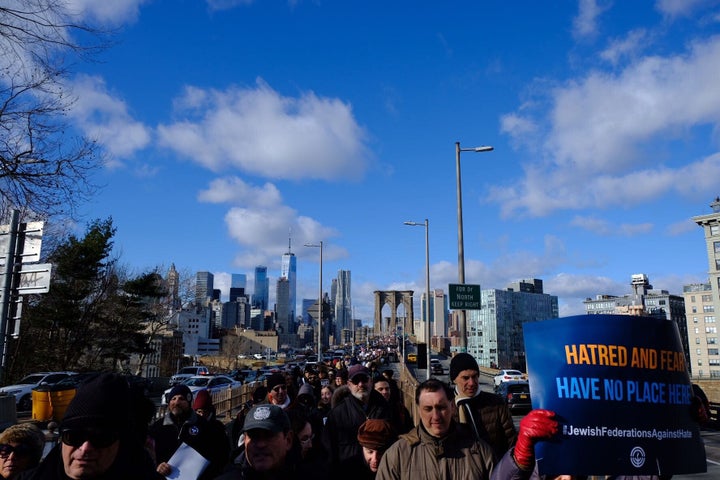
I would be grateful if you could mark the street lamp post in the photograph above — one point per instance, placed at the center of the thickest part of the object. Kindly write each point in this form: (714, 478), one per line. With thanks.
(461, 246)
(320, 305)
(427, 288)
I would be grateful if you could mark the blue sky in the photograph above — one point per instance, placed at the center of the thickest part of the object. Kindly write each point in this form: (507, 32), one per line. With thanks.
(229, 124)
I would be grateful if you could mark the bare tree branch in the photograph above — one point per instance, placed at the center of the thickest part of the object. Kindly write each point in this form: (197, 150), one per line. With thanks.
(45, 163)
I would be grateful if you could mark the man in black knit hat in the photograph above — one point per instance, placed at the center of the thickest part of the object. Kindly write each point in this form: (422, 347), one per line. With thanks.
(485, 412)
(98, 437)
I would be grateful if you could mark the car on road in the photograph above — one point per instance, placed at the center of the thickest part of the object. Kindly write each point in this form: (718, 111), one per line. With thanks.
(436, 368)
(516, 394)
(507, 376)
(211, 383)
(187, 372)
(23, 389)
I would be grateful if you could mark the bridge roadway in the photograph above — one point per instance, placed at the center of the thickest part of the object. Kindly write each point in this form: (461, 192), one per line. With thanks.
(711, 438)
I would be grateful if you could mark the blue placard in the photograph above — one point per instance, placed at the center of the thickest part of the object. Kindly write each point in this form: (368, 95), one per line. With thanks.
(620, 388)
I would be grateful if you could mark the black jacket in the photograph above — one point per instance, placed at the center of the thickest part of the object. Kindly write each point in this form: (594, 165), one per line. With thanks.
(207, 437)
(491, 419)
(340, 432)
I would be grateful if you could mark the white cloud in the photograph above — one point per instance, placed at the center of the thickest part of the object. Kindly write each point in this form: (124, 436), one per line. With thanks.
(627, 47)
(105, 118)
(605, 228)
(234, 190)
(680, 8)
(261, 132)
(114, 12)
(585, 24)
(601, 125)
(227, 4)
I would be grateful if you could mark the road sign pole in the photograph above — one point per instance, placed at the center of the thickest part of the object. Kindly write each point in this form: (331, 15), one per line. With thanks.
(8, 271)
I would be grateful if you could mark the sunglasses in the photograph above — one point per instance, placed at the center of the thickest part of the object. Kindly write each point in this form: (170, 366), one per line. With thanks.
(18, 450)
(358, 379)
(75, 437)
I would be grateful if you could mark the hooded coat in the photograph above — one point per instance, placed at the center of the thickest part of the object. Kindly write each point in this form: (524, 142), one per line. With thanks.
(457, 456)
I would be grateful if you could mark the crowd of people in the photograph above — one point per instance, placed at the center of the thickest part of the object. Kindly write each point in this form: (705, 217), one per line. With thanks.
(344, 423)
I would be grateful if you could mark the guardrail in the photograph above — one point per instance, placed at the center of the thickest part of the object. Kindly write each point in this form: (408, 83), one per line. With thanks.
(225, 401)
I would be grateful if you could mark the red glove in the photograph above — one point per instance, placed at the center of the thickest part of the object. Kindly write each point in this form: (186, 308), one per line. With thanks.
(537, 425)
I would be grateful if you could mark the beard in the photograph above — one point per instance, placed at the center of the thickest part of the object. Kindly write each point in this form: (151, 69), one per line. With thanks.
(362, 395)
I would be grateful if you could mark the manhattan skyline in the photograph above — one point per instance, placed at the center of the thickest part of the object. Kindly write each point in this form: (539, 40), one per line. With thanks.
(226, 124)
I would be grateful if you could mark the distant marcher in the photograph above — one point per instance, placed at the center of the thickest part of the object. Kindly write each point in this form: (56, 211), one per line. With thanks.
(341, 378)
(182, 425)
(219, 453)
(485, 412)
(21, 448)
(340, 432)
(405, 420)
(97, 437)
(278, 391)
(234, 428)
(324, 406)
(375, 436)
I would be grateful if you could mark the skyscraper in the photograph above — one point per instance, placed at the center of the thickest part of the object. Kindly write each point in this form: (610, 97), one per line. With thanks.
(203, 288)
(262, 288)
(237, 286)
(289, 271)
(173, 286)
(495, 335)
(343, 303)
(702, 301)
(282, 315)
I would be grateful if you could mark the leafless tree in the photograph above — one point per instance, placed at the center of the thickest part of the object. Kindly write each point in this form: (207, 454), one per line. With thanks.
(45, 164)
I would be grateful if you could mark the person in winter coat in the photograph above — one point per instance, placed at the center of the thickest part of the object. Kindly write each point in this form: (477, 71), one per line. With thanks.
(182, 425)
(374, 436)
(438, 447)
(97, 437)
(219, 451)
(340, 432)
(268, 445)
(486, 413)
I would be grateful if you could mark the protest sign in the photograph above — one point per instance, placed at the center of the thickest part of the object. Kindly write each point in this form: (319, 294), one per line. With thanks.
(620, 387)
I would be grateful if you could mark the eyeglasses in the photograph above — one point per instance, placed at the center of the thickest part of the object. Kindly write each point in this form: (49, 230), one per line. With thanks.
(277, 388)
(75, 437)
(18, 450)
(360, 378)
(307, 439)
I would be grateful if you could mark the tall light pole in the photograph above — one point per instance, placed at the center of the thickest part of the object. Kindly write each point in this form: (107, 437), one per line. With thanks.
(320, 302)
(461, 246)
(427, 289)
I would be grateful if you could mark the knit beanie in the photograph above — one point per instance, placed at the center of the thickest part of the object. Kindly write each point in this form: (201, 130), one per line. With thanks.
(376, 434)
(306, 389)
(274, 380)
(102, 401)
(203, 401)
(180, 389)
(462, 361)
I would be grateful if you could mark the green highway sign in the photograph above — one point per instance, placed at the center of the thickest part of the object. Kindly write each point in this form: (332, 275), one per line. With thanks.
(464, 297)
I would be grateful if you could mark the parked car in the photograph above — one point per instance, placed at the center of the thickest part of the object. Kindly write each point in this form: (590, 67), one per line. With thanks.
(516, 394)
(436, 368)
(507, 376)
(23, 389)
(212, 383)
(187, 372)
